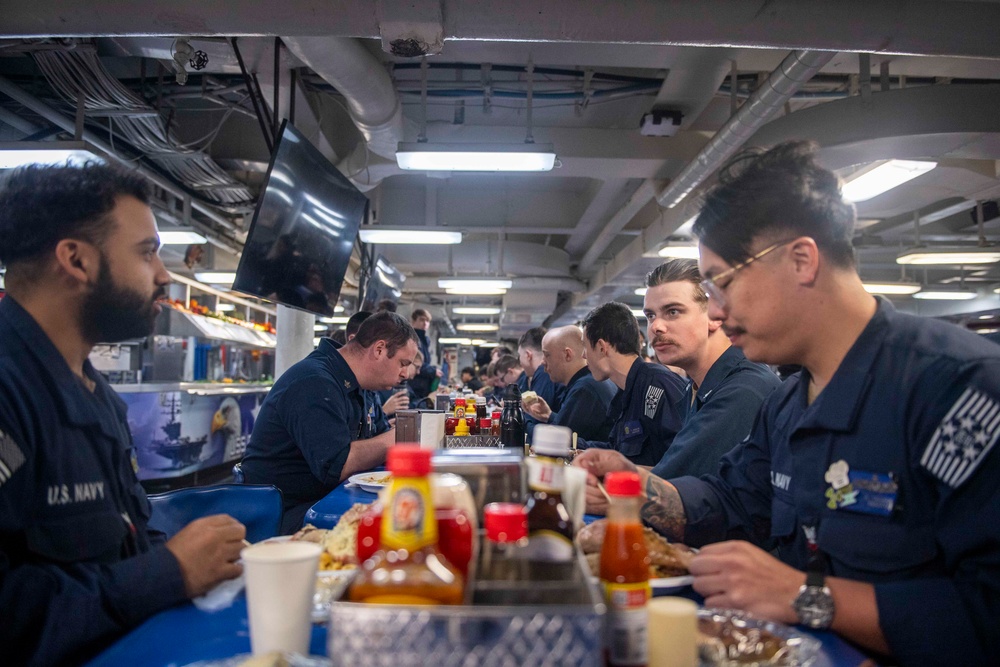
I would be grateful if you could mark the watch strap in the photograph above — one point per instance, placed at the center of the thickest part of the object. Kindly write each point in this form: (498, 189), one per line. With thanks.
(815, 578)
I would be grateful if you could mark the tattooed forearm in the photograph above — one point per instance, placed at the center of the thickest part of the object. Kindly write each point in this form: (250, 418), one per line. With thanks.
(664, 511)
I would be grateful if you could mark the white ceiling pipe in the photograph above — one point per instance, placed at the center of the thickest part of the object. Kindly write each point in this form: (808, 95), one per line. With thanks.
(767, 101)
(362, 80)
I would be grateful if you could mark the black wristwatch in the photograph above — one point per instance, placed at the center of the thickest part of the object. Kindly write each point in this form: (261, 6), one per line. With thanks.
(814, 603)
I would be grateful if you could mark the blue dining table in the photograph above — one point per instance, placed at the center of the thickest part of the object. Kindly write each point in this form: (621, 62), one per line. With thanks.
(185, 634)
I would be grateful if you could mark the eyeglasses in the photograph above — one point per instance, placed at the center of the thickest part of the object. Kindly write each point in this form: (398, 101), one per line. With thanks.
(715, 291)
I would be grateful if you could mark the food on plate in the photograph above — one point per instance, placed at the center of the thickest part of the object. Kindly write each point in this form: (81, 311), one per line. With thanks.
(666, 559)
(528, 397)
(728, 641)
(340, 543)
(375, 478)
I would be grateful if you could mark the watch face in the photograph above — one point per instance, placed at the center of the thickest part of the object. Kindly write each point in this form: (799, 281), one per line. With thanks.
(814, 605)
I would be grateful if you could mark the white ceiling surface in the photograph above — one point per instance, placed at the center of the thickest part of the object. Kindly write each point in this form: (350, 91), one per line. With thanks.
(588, 231)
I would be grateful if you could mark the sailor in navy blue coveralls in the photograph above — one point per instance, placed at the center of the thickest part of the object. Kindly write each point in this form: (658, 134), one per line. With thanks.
(911, 418)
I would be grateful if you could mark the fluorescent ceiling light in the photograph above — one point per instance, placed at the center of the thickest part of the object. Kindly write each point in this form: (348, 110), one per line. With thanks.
(334, 320)
(181, 237)
(475, 157)
(473, 283)
(892, 288)
(467, 326)
(476, 291)
(476, 310)
(943, 295)
(478, 341)
(638, 313)
(319, 327)
(884, 177)
(225, 307)
(927, 256)
(986, 317)
(412, 236)
(679, 251)
(75, 153)
(338, 308)
(490, 343)
(640, 291)
(216, 277)
(455, 341)
(987, 331)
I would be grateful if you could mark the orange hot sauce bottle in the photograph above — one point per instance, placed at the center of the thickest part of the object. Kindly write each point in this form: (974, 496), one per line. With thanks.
(625, 573)
(408, 568)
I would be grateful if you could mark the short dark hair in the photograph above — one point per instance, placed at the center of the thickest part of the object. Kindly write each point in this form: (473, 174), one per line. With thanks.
(385, 305)
(354, 322)
(419, 312)
(469, 370)
(503, 351)
(532, 338)
(390, 327)
(505, 363)
(614, 323)
(40, 205)
(676, 271)
(777, 194)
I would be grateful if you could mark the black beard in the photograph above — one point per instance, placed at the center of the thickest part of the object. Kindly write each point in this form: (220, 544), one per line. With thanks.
(111, 313)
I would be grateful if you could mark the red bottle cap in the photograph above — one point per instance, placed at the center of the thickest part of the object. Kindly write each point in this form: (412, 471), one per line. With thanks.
(408, 461)
(622, 484)
(505, 522)
(485, 422)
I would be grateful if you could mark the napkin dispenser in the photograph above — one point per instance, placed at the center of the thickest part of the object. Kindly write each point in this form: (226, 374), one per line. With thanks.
(494, 475)
(423, 427)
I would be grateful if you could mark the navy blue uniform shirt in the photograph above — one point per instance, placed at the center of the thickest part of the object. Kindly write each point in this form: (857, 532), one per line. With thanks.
(78, 565)
(915, 399)
(647, 414)
(423, 381)
(585, 406)
(721, 415)
(304, 431)
(541, 384)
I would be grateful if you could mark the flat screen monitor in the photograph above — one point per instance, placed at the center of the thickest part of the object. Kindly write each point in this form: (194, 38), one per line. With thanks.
(303, 229)
(384, 284)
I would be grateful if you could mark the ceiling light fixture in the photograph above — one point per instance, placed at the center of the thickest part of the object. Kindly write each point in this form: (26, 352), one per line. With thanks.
(638, 313)
(945, 295)
(490, 343)
(475, 291)
(225, 307)
(469, 326)
(475, 157)
(410, 236)
(952, 255)
(181, 236)
(892, 288)
(22, 153)
(474, 283)
(216, 277)
(455, 341)
(476, 310)
(871, 182)
(679, 251)
(640, 291)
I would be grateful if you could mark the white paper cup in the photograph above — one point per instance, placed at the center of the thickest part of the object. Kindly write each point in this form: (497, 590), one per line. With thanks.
(673, 632)
(281, 580)
(575, 494)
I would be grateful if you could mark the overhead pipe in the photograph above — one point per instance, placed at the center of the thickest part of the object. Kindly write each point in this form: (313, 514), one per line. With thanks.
(371, 99)
(767, 101)
(39, 107)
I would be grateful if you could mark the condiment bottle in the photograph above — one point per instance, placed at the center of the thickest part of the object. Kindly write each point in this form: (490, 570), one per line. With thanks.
(408, 568)
(625, 573)
(511, 420)
(506, 537)
(462, 427)
(460, 407)
(486, 426)
(550, 526)
(495, 423)
(481, 408)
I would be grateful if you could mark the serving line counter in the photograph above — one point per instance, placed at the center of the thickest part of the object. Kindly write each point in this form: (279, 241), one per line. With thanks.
(185, 634)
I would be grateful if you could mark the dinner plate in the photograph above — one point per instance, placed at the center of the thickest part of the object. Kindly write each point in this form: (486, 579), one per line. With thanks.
(667, 583)
(370, 481)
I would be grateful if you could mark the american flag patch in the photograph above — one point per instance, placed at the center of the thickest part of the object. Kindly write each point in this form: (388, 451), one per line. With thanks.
(963, 438)
(653, 395)
(11, 457)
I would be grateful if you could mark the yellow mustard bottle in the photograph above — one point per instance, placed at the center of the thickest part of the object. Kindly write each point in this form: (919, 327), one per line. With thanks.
(408, 568)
